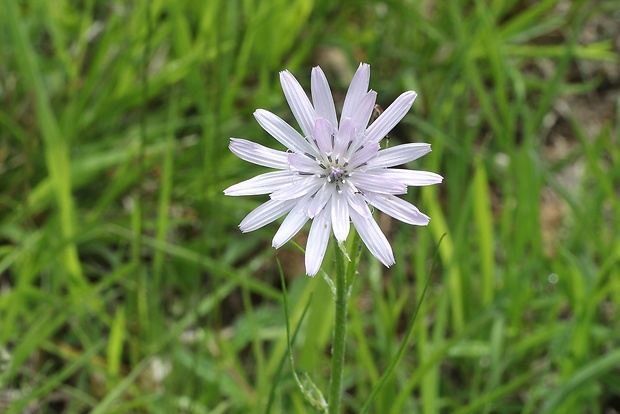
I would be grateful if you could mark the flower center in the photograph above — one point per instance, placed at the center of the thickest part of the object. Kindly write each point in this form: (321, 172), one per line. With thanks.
(335, 173)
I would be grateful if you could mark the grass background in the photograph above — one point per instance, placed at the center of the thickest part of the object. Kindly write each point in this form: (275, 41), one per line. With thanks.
(125, 285)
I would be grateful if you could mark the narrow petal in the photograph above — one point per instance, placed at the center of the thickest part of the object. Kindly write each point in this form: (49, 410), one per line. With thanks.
(317, 243)
(357, 89)
(340, 216)
(363, 154)
(364, 111)
(291, 225)
(398, 208)
(304, 163)
(257, 154)
(346, 134)
(262, 184)
(265, 214)
(317, 203)
(373, 238)
(323, 135)
(377, 183)
(412, 177)
(283, 132)
(322, 97)
(298, 101)
(357, 202)
(399, 155)
(390, 117)
(308, 184)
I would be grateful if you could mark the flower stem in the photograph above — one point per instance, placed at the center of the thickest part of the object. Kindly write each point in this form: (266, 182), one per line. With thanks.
(339, 345)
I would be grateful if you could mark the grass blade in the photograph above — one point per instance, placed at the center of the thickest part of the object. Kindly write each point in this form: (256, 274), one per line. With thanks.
(405, 340)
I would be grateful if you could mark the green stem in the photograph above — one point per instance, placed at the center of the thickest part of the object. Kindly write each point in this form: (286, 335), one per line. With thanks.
(339, 345)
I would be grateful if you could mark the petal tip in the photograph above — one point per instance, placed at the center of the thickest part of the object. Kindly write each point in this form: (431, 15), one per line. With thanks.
(410, 97)
(312, 270)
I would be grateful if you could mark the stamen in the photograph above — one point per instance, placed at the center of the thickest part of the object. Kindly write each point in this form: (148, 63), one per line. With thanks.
(307, 154)
(335, 174)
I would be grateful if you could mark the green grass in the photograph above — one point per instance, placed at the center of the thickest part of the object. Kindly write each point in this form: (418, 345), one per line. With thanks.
(125, 285)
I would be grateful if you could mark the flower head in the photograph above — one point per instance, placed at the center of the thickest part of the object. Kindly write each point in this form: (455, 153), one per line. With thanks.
(335, 170)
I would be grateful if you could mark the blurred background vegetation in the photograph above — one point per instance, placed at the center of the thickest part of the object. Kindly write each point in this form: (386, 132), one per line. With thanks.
(125, 285)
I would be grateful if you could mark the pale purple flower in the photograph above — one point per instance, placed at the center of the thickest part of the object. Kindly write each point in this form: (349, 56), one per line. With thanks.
(334, 170)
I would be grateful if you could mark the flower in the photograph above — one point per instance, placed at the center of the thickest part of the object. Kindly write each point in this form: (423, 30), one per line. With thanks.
(335, 170)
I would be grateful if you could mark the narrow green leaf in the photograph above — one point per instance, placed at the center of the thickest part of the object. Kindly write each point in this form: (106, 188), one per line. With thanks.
(588, 373)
